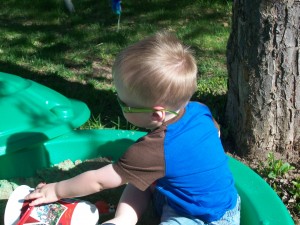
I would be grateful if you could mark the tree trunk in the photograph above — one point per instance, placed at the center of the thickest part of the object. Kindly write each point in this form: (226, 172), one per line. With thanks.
(263, 105)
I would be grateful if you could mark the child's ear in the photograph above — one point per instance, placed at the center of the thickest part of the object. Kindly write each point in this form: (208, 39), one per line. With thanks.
(158, 115)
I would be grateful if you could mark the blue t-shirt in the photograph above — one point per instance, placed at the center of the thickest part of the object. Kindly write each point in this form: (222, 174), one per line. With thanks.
(197, 179)
(186, 160)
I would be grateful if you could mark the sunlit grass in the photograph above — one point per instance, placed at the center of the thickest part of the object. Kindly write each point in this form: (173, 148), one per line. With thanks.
(73, 53)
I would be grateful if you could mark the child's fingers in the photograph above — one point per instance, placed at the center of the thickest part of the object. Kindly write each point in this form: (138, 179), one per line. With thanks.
(37, 201)
(40, 185)
(33, 195)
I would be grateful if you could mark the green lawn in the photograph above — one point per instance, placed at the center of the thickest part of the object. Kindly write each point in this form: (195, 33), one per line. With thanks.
(73, 53)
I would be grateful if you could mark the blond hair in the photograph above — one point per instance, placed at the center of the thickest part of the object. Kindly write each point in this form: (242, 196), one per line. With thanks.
(158, 70)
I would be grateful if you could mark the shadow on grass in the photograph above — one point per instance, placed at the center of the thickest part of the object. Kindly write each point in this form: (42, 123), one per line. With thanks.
(45, 31)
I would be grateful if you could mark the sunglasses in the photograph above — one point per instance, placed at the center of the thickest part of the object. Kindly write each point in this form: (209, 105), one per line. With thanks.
(127, 109)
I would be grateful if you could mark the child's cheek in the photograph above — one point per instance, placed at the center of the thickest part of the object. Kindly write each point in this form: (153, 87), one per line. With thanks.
(138, 119)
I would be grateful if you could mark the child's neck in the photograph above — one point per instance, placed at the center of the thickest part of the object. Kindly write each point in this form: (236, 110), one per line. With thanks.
(170, 116)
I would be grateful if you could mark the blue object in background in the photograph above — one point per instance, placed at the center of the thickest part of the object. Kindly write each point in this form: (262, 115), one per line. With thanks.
(116, 6)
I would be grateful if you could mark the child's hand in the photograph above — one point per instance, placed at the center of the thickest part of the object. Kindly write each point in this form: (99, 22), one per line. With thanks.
(44, 193)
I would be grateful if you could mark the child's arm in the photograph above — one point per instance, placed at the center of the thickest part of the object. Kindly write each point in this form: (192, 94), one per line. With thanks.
(84, 184)
(132, 205)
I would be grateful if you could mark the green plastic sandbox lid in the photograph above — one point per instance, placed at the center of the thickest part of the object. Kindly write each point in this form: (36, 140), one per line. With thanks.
(32, 113)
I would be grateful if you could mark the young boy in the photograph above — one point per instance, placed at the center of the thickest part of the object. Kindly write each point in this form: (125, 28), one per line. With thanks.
(180, 162)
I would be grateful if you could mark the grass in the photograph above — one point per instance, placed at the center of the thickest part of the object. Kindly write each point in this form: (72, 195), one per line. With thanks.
(281, 177)
(73, 53)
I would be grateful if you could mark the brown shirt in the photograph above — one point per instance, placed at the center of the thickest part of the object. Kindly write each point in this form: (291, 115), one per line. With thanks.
(143, 163)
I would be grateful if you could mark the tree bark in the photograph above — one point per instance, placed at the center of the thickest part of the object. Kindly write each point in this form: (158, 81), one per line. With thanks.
(263, 104)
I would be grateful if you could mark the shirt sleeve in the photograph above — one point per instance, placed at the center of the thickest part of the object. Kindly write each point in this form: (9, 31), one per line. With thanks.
(143, 163)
